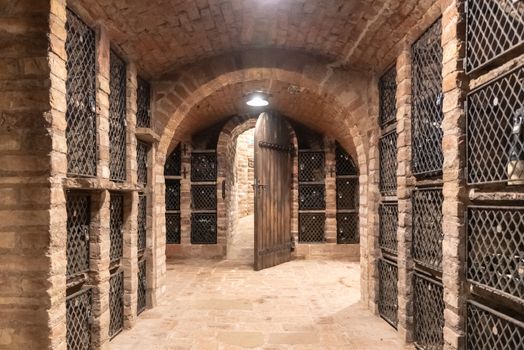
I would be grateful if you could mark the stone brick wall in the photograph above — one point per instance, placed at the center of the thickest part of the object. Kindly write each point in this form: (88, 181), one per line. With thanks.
(245, 173)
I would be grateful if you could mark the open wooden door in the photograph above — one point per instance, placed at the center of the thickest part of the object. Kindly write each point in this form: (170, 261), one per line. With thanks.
(273, 171)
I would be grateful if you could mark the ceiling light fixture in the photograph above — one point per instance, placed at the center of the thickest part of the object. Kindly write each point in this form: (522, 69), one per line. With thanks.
(257, 99)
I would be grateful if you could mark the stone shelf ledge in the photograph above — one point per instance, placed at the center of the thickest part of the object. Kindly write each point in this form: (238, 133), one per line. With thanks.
(476, 195)
(147, 135)
(98, 185)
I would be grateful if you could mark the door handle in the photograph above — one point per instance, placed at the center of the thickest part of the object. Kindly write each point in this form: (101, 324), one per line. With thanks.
(258, 187)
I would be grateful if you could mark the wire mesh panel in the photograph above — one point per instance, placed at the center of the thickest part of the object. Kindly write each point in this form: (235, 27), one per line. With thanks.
(493, 28)
(80, 97)
(172, 194)
(116, 223)
(427, 113)
(388, 291)
(347, 228)
(388, 97)
(388, 164)
(78, 225)
(142, 222)
(172, 166)
(496, 248)
(117, 118)
(344, 163)
(427, 227)
(428, 313)
(116, 303)
(203, 166)
(203, 228)
(312, 197)
(204, 197)
(388, 224)
(311, 227)
(490, 329)
(495, 130)
(347, 194)
(311, 166)
(78, 320)
(143, 104)
(173, 228)
(142, 287)
(142, 161)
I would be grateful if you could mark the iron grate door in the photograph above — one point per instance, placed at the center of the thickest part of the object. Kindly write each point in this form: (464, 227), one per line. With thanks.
(81, 129)
(312, 197)
(495, 130)
(117, 118)
(142, 287)
(493, 29)
(388, 224)
(347, 193)
(427, 227)
(345, 166)
(142, 222)
(142, 162)
(78, 206)
(347, 228)
(116, 223)
(427, 115)
(428, 313)
(388, 164)
(143, 103)
(311, 166)
(311, 227)
(172, 195)
(173, 228)
(495, 250)
(204, 197)
(78, 320)
(490, 329)
(388, 97)
(203, 166)
(173, 163)
(116, 303)
(203, 228)
(388, 291)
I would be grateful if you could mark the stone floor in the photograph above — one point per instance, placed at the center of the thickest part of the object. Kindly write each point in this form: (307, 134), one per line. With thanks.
(303, 304)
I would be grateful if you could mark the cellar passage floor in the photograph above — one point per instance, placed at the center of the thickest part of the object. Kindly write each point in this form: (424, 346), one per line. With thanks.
(303, 304)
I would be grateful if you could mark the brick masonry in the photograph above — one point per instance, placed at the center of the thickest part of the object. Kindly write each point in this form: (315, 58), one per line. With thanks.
(325, 77)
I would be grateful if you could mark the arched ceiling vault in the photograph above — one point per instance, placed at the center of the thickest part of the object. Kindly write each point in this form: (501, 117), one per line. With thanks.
(165, 35)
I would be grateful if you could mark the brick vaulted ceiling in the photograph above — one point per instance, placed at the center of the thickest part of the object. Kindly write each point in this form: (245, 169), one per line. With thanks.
(164, 35)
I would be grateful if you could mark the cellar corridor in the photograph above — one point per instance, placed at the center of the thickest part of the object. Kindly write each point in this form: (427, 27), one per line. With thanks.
(304, 304)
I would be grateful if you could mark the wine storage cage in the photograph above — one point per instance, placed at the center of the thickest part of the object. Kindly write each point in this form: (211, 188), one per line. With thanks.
(204, 197)
(173, 163)
(81, 130)
(117, 118)
(203, 228)
(388, 291)
(428, 313)
(203, 166)
(388, 224)
(173, 228)
(78, 205)
(172, 195)
(78, 320)
(143, 104)
(388, 97)
(142, 222)
(311, 227)
(142, 286)
(116, 222)
(311, 166)
(347, 228)
(142, 160)
(388, 164)
(116, 303)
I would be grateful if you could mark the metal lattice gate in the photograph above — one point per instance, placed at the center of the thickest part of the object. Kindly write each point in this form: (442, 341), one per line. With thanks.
(490, 329)
(78, 206)
(142, 222)
(204, 197)
(346, 197)
(428, 313)
(173, 228)
(142, 161)
(117, 118)
(172, 195)
(312, 197)
(203, 166)
(496, 248)
(116, 222)
(78, 320)
(427, 227)
(345, 166)
(388, 291)
(388, 224)
(493, 29)
(203, 228)
(427, 115)
(81, 130)
(388, 164)
(388, 97)
(143, 104)
(495, 130)
(116, 303)
(347, 193)
(311, 166)
(173, 163)
(347, 228)
(311, 227)
(142, 287)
